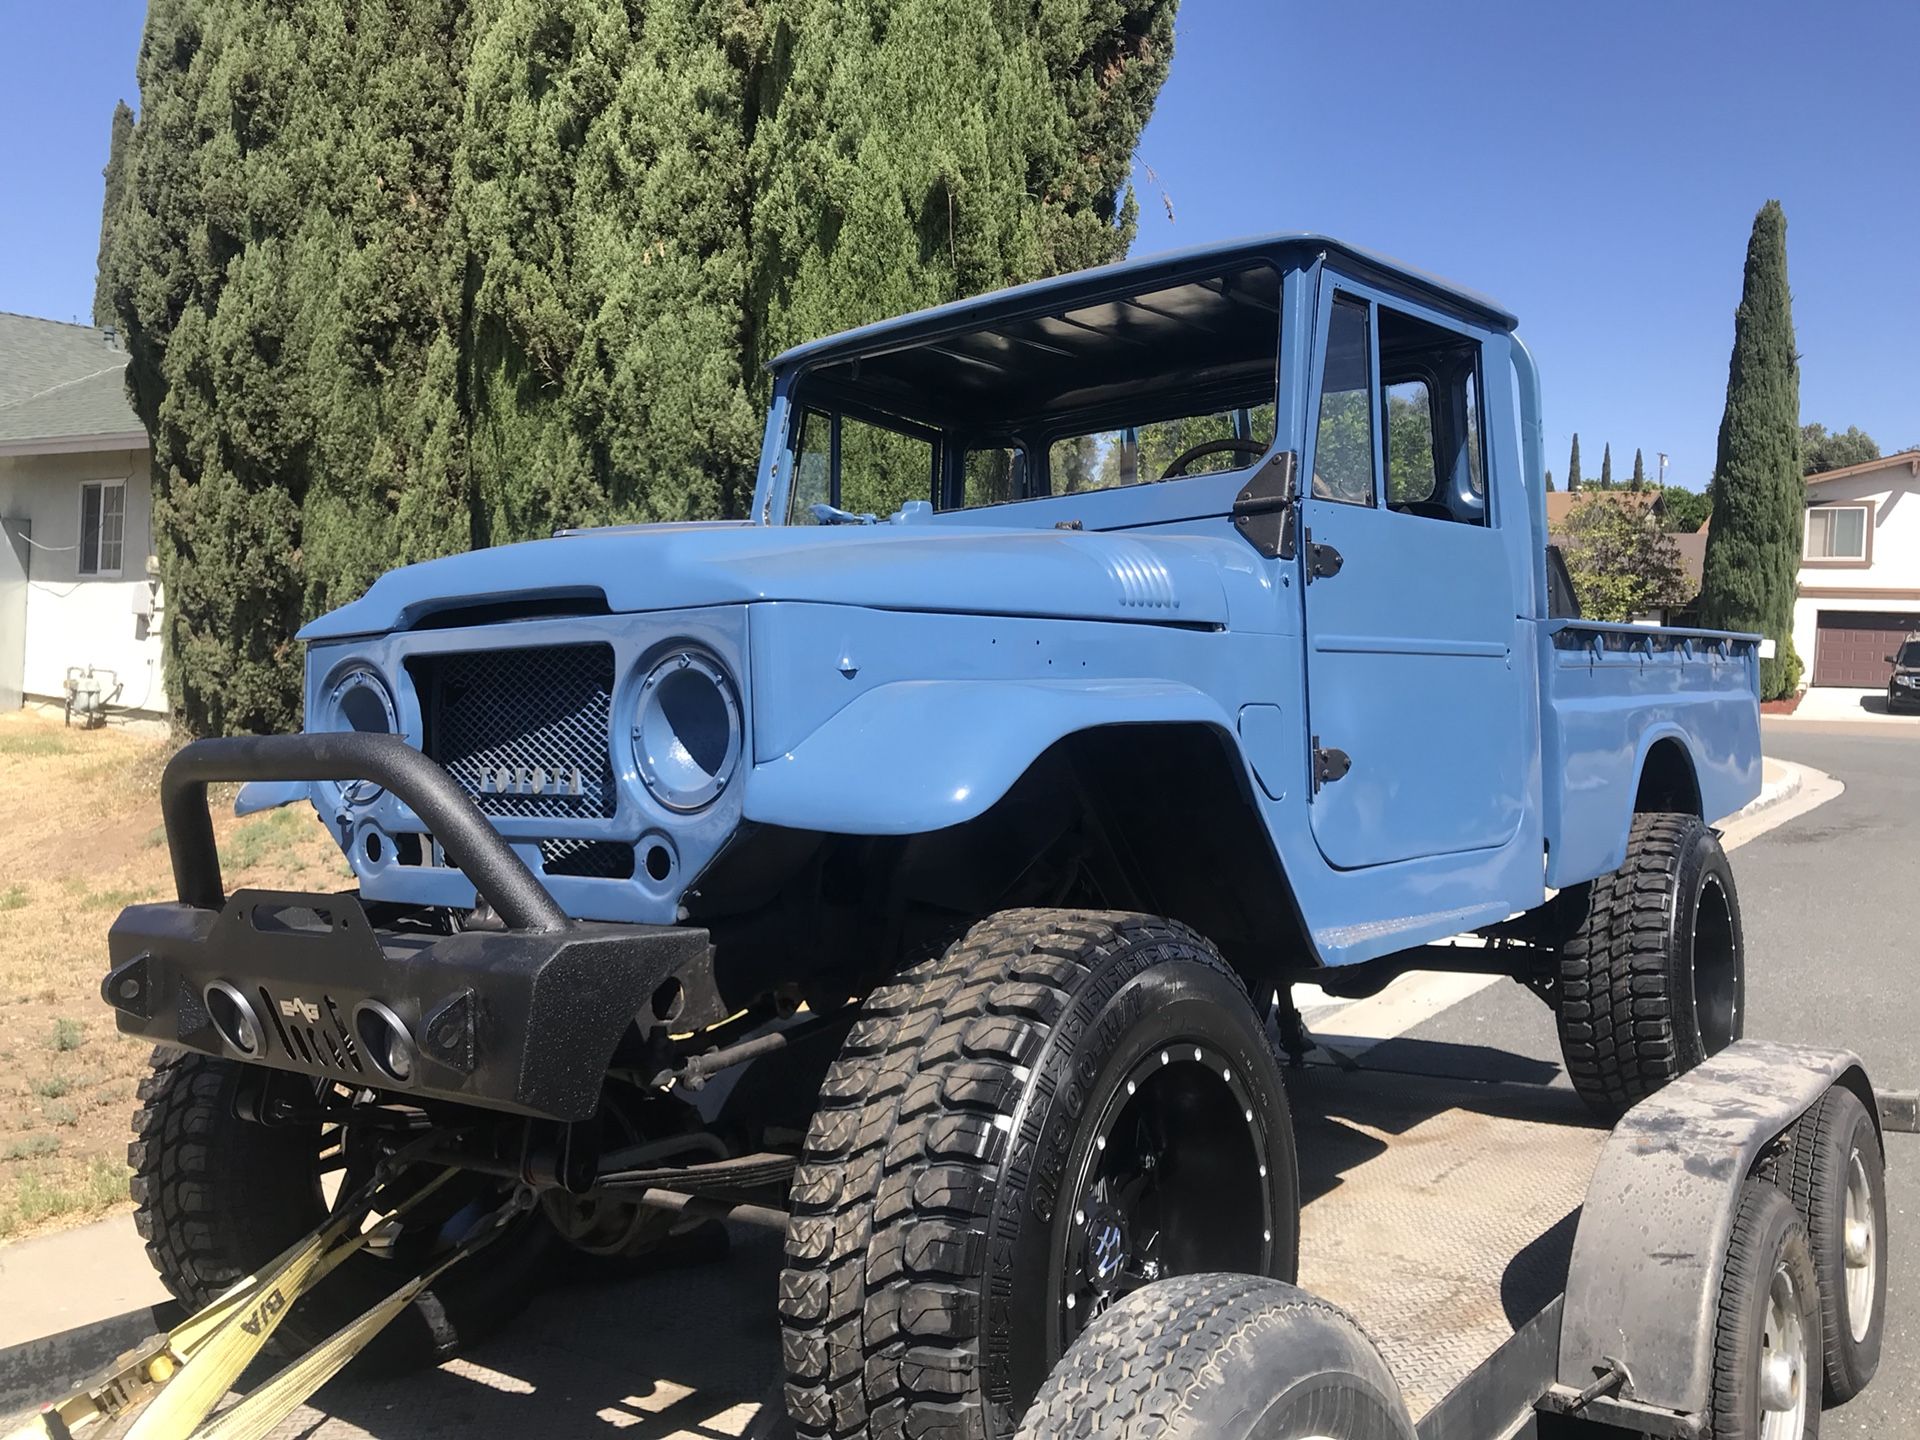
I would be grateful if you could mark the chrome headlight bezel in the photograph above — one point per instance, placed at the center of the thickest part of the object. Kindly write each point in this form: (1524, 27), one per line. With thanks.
(688, 729)
(357, 699)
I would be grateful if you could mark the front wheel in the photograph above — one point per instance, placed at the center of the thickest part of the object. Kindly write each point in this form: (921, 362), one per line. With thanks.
(1064, 1107)
(220, 1197)
(1652, 978)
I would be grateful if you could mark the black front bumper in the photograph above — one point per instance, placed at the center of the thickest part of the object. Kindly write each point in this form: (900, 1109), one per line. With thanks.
(524, 1019)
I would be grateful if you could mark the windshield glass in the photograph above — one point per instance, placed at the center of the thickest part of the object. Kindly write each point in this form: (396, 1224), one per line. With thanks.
(1908, 657)
(1169, 382)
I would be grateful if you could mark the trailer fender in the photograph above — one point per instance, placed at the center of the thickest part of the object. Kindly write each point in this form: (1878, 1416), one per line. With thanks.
(1643, 1284)
(913, 756)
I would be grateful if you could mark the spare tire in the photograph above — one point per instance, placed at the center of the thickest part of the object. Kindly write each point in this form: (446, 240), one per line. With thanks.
(1221, 1357)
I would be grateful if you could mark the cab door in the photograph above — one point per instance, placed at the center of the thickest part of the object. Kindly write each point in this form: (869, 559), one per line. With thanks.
(1414, 697)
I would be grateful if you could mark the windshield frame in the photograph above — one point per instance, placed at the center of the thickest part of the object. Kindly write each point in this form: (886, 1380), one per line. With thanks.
(805, 388)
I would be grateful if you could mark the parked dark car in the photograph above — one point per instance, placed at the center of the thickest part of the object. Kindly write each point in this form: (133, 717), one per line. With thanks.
(1903, 686)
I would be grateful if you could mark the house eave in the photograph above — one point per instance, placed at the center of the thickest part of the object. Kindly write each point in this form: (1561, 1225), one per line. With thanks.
(1908, 458)
(75, 444)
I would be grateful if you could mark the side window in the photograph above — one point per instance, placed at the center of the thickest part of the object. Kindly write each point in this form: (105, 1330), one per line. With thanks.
(1476, 445)
(858, 466)
(1436, 457)
(1411, 471)
(1343, 446)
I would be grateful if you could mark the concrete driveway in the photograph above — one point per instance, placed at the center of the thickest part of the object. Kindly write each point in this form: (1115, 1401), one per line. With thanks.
(1834, 702)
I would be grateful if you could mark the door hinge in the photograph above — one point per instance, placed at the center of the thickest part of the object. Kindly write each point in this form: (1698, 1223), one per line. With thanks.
(1329, 764)
(1323, 561)
(1263, 512)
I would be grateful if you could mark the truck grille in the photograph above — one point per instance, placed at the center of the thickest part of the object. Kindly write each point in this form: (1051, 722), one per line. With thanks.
(524, 732)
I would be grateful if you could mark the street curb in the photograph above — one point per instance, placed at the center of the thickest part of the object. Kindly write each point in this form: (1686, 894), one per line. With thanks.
(36, 1371)
(1777, 793)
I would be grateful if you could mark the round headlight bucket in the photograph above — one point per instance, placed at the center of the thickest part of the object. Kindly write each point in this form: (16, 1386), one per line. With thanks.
(686, 730)
(357, 700)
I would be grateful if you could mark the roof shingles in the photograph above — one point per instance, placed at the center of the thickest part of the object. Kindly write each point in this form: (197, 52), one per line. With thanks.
(60, 383)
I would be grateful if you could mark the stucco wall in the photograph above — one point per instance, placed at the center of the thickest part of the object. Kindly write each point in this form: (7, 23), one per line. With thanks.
(1890, 582)
(75, 619)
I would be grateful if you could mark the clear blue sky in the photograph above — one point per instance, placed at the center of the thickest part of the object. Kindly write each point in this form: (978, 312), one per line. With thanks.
(1594, 167)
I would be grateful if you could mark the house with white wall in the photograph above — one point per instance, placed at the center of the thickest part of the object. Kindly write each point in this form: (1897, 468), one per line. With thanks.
(78, 590)
(1859, 570)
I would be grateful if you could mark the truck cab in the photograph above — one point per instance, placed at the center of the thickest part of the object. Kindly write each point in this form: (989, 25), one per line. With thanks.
(1321, 472)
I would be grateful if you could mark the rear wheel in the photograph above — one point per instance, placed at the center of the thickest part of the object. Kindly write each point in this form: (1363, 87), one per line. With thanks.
(1766, 1342)
(1652, 978)
(1835, 1173)
(1062, 1108)
(220, 1196)
(1221, 1357)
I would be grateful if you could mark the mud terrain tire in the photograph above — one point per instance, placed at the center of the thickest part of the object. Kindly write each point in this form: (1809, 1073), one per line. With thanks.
(1652, 979)
(958, 1214)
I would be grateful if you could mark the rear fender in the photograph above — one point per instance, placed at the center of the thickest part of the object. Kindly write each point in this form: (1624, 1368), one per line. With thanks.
(919, 755)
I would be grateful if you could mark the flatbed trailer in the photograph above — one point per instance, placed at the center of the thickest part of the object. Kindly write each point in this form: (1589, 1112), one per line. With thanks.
(1523, 1270)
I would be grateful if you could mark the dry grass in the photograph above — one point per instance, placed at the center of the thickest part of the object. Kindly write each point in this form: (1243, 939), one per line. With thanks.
(81, 841)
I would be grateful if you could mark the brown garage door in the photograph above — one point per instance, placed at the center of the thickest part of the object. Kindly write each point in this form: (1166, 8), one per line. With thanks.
(1853, 646)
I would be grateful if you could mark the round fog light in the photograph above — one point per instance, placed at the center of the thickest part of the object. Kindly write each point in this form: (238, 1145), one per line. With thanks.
(384, 1038)
(233, 1017)
(686, 734)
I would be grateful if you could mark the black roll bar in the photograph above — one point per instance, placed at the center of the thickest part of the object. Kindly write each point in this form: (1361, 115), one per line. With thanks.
(498, 875)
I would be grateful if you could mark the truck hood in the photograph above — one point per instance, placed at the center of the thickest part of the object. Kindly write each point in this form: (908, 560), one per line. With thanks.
(961, 569)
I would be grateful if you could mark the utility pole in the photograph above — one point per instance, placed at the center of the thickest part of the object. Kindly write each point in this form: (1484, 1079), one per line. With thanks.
(1663, 469)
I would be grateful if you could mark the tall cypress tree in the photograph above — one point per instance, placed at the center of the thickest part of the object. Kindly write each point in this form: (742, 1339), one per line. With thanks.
(1639, 471)
(1759, 500)
(401, 280)
(1606, 466)
(283, 263)
(115, 175)
(1549, 482)
(1573, 464)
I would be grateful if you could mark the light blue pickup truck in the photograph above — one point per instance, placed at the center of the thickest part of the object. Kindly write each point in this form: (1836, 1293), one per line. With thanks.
(928, 859)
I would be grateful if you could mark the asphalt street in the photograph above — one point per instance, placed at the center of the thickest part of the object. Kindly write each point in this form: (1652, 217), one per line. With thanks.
(1829, 904)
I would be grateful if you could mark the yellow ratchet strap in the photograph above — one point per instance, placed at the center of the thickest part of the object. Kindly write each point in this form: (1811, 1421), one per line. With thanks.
(182, 1375)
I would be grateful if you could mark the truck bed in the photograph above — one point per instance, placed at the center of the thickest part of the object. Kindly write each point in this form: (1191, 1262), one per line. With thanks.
(1610, 695)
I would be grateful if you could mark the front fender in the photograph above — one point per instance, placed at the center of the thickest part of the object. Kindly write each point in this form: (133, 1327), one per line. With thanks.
(918, 755)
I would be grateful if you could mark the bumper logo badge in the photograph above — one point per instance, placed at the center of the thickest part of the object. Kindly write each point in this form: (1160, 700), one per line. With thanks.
(531, 780)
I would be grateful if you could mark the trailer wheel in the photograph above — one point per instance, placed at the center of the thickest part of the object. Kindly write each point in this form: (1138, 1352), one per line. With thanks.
(1835, 1172)
(1767, 1336)
(1653, 978)
(1062, 1108)
(1221, 1357)
(220, 1196)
